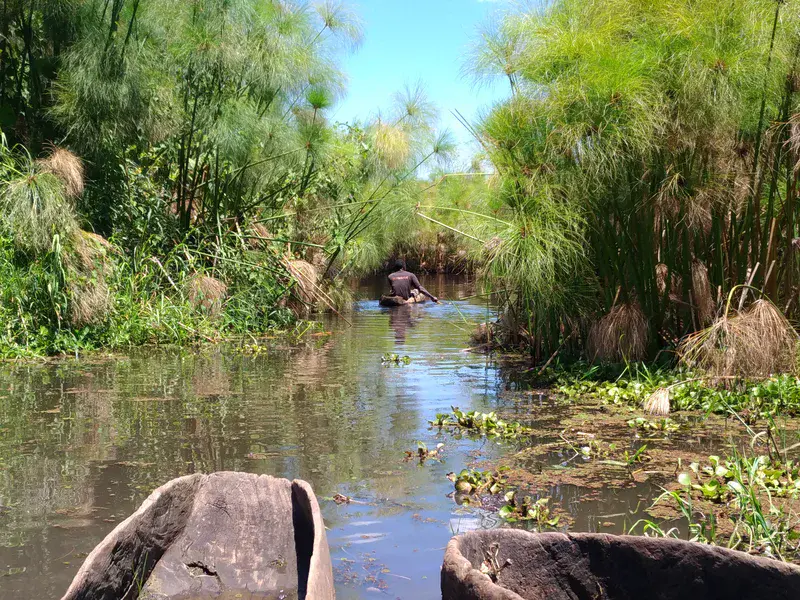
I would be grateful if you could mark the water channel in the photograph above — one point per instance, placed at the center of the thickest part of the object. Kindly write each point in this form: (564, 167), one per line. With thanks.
(84, 441)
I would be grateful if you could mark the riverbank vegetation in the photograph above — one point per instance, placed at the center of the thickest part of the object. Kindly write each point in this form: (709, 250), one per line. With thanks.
(646, 159)
(646, 162)
(170, 173)
(719, 470)
(633, 194)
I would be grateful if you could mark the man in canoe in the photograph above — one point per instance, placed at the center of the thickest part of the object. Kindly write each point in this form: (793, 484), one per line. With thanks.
(405, 285)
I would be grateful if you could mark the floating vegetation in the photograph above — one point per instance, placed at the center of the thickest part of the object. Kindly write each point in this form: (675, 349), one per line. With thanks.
(665, 425)
(744, 503)
(662, 391)
(365, 571)
(395, 359)
(423, 453)
(609, 453)
(527, 509)
(254, 349)
(721, 480)
(471, 481)
(630, 459)
(488, 424)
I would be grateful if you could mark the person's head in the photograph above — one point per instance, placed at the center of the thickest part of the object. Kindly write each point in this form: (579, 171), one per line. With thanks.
(399, 265)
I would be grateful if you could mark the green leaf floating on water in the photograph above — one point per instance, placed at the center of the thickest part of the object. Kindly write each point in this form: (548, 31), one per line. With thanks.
(395, 359)
(506, 513)
(488, 424)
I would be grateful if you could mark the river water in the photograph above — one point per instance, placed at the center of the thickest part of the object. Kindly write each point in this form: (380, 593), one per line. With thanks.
(84, 441)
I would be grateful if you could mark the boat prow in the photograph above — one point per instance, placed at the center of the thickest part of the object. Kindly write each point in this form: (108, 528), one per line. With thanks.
(220, 535)
(398, 301)
(563, 566)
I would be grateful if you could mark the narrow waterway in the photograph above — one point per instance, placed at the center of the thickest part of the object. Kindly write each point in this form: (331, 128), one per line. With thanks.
(83, 442)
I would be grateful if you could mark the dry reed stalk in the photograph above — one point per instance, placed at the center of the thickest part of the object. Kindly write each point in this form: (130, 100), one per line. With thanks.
(658, 403)
(481, 335)
(89, 302)
(93, 252)
(88, 266)
(207, 293)
(100, 241)
(258, 234)
(757, 342)
(68, 168)
(702, 294)
(698, 211)
(793, 140)
(662, 272)
(491, 247)
(317, 257)
(308, 292)
(675, 282)
(666, 201)
(307, 278)
(622, 334)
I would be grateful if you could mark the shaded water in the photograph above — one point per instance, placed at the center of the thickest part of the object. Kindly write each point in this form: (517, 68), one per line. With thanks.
(83, 442)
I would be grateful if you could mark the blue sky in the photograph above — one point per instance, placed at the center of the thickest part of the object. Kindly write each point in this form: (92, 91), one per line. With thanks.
(406, 41)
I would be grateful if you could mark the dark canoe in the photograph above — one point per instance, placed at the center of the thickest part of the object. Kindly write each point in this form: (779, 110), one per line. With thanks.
(557, 566)
(398, 301)
(204, 536)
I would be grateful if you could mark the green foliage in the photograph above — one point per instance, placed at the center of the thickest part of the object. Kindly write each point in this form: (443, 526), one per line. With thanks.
(208, 153)
(665, 425)
(471, 481)
(488, 424)
(610, 453)
(395, 359)
(752, 490)
(631, 459)
(34, 207)
(526, 509)
(645, 157)
(147, 305)
(776, 395)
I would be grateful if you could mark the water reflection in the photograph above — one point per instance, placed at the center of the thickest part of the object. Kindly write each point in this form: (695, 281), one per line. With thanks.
(82, 443)
(401, 319)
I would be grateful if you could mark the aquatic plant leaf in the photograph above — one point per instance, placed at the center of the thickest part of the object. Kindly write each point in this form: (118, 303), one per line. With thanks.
(506, 512)
(736, 487)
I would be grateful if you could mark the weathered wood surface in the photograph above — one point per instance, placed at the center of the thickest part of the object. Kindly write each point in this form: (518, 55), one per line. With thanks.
(206, 536)
(398, 301)
(557, 566)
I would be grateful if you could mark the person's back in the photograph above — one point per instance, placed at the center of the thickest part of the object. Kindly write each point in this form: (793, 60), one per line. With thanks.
(403, 283)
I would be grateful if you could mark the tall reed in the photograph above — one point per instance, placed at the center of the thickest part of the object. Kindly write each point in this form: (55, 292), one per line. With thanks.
(664, 137)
